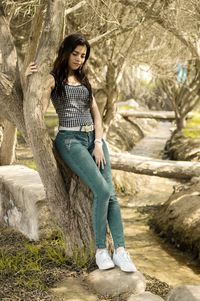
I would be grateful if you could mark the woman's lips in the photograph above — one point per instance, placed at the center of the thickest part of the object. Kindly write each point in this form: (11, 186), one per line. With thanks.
(76, 64)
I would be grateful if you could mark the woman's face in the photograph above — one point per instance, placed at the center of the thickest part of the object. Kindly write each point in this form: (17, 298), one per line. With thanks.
(77, 57)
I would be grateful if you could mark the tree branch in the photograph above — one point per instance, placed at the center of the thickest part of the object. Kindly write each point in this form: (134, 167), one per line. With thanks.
(74, 8)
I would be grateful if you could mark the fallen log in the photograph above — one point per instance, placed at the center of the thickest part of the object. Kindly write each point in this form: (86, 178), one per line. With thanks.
(166, 115)
(155, 167)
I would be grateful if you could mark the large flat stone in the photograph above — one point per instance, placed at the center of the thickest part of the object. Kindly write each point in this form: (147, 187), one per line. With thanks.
(23, 203)
(146, 296)
(115, 282)
(184, 293)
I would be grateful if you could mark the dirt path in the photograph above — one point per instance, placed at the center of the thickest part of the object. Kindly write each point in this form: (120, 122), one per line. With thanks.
(150, 253)
(153, 144)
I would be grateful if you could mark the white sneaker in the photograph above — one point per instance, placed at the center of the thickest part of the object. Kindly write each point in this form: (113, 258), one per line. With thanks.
(123, 261)
(103, 260)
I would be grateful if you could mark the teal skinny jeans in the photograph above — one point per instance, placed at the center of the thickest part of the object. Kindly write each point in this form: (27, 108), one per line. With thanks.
(75, 148)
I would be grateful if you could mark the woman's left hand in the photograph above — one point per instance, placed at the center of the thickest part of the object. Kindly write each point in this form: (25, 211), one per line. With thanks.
(32, 68)
(99, 155)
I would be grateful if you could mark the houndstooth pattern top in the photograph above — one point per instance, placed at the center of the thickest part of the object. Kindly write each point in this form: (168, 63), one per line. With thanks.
(73, 106)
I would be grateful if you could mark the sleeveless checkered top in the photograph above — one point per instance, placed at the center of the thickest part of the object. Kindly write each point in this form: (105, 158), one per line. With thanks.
(73, 106)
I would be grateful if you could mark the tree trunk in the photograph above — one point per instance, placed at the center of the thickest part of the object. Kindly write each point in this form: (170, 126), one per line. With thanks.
(1, 130)
(111, 93)
(69, 200)
(7, 149)
(11, 101)
(153, 167)
(180, 123)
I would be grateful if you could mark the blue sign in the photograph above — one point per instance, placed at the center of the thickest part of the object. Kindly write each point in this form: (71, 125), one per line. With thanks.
(181, 73)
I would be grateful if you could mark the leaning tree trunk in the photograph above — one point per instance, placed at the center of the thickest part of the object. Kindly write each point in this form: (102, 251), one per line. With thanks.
(69, 201)
(7, 148)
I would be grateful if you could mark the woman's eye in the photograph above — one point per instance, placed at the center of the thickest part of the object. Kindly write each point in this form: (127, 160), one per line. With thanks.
(77, 54)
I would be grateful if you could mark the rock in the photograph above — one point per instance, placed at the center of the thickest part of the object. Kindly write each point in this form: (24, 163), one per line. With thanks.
(72, 289)
(179, 219)
(22, 201)
(125, 182)
(184, 293)
(146, 296)
(114, 282)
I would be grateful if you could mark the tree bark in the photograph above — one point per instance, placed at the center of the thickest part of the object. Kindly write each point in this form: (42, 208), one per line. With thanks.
(180, 123)
(153, 167)
(7, 148)
(112, 93)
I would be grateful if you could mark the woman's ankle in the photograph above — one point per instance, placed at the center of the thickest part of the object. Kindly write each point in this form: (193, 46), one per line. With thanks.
(120, 249)
(99, 250)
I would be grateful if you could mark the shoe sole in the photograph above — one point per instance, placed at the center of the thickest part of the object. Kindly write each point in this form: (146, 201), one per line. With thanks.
(109, 268)
(123, 270)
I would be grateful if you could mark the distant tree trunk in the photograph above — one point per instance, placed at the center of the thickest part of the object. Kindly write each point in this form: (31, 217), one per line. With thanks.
(7, 148)
(183, 96)
(180, 122)
(106, 98)
(112, 93)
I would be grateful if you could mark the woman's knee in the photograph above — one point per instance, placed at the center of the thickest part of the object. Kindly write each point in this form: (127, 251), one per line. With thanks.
(113, 201)
(103, 192)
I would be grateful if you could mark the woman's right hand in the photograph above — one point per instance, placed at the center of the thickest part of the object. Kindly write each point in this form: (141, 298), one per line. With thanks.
(32, 68)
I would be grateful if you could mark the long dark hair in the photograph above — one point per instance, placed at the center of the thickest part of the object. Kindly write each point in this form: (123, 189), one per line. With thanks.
(60, 68)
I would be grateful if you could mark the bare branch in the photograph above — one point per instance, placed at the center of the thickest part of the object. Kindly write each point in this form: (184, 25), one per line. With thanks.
(74, 8)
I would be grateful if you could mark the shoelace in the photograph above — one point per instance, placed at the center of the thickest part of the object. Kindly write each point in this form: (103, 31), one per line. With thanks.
(126, 257)
(107, 257)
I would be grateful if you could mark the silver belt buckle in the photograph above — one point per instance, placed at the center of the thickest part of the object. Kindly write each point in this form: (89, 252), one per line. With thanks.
(87, 128)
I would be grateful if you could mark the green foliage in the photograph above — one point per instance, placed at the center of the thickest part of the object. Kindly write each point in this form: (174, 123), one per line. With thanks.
(83, 259)
(192, 129)
(27, 261)
(123, 189)
(29, 163)
(149, 85)
(126, 107)
(51, 122)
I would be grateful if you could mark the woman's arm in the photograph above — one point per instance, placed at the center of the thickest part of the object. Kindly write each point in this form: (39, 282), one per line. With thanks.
(97, 120)
(98, 151)
(48, 87)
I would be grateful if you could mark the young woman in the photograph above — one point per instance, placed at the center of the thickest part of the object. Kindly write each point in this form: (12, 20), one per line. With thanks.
(80, 145)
